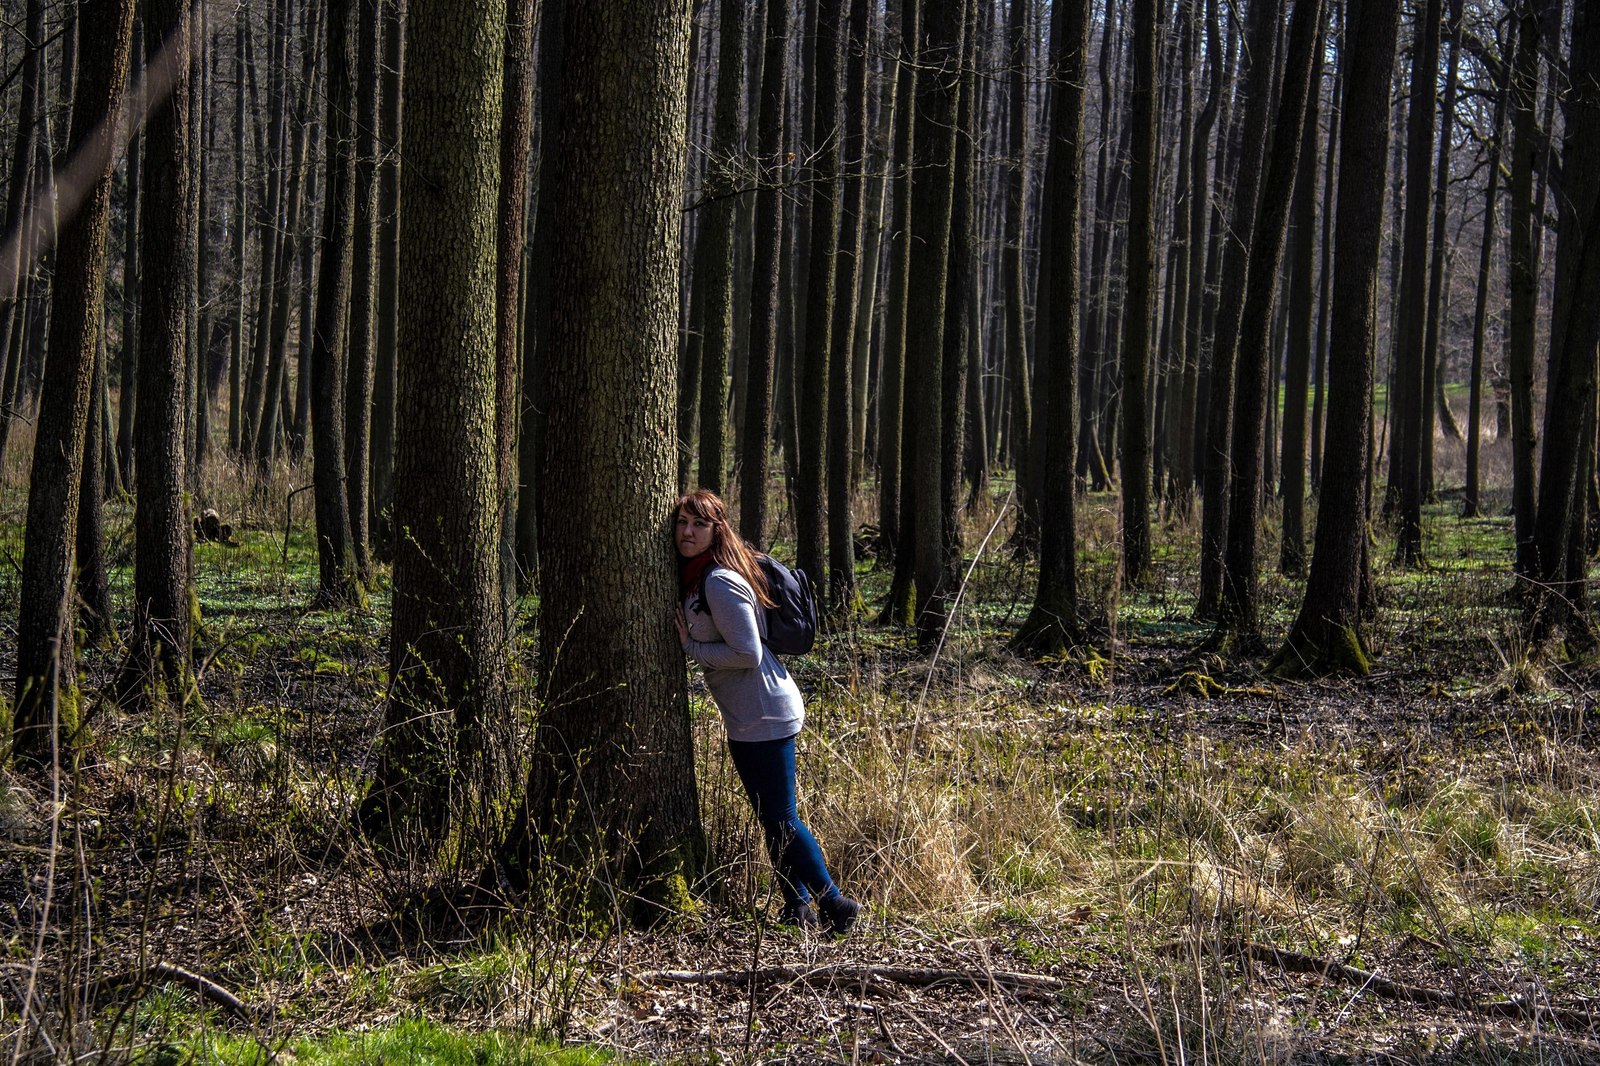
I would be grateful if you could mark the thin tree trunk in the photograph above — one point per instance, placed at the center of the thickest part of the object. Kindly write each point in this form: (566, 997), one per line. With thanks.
(764, 324)
(159, 666)
(1480, 311)
(1052, 623)
(1326, 635)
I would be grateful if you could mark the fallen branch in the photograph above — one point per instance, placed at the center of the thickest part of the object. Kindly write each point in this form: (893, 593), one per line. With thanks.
(842, 974)
(158, 972)
(1366, 980)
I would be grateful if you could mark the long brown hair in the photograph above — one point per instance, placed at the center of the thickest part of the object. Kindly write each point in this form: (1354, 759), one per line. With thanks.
(728, 549)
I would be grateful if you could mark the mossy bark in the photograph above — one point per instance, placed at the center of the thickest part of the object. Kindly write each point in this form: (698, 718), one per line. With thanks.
(45, 625)
(611, 793)
(446, 764)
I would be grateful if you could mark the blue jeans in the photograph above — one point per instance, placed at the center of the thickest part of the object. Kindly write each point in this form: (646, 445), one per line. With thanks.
(766, 768)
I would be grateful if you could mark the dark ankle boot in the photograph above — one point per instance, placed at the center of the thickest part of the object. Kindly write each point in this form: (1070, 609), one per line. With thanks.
(841, 913)
(800, 915)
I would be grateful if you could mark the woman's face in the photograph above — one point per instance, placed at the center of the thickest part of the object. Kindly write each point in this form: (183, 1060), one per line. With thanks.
(694, 536)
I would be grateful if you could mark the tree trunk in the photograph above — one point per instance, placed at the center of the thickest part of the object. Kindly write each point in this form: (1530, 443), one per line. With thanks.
(1411, 407)
(938, 51)
(1253, 395)
(1326, 635)
(516, 156)
(541, 280)
(858, 53)
(1574, 340)
(1524, 279)
(1052, 623)
(1019, 386)
(612, 787)
(1433, 392)
(1257, 89)
(45, 716)
(821, 279)
(1480, 311)
(764, 324)
(159, 666)
(1137, 311)
(895, 443)
(716, 271)
(381, 495)
(357, 404)
(339, 579)
(444, 762)
(1302, 335)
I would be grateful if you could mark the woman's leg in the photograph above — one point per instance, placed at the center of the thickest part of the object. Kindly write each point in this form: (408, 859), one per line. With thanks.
(766, 768)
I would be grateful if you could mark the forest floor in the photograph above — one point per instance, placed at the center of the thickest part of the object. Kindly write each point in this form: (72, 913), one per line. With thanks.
(1138, 853)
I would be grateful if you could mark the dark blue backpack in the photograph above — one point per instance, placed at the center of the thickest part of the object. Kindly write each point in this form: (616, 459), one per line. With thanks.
(792, 622)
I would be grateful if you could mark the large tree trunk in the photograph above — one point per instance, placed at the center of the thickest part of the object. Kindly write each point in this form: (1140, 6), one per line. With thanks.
(612, 787)
(45, 715)
(444, 765)
(1052, 623)
(1326, 635)
(159, 666)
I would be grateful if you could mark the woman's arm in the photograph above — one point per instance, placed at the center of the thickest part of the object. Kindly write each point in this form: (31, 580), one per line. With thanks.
(733, 609)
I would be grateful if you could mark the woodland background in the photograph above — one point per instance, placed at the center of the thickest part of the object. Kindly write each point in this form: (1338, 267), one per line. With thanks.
(1185, 409)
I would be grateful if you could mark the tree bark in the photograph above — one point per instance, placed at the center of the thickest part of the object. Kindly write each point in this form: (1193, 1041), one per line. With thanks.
(1326, 635)
(612, 786)
(1052, 623)
(1137, 311)
(1574, 340)
(1238, 237)
(444, 765)
(764, 324)
(1253, 393)
(45, 715)
(159, 665)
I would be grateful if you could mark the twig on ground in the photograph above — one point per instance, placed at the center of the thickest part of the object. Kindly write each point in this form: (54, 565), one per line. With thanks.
(1296, 962)
(920, 976)
(206, 988)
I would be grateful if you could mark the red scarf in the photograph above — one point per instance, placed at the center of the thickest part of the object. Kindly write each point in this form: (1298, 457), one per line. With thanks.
(690, 572)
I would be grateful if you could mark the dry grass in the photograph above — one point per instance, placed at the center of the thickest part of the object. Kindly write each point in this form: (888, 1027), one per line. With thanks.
(1436, 824)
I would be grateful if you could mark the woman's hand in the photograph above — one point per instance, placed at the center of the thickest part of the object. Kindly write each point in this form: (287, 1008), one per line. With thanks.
(683, 626)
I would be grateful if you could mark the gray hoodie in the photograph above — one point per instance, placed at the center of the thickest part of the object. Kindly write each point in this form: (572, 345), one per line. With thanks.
(727, 636)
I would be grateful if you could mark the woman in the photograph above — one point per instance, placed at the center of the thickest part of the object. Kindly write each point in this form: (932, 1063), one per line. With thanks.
(722, 625)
